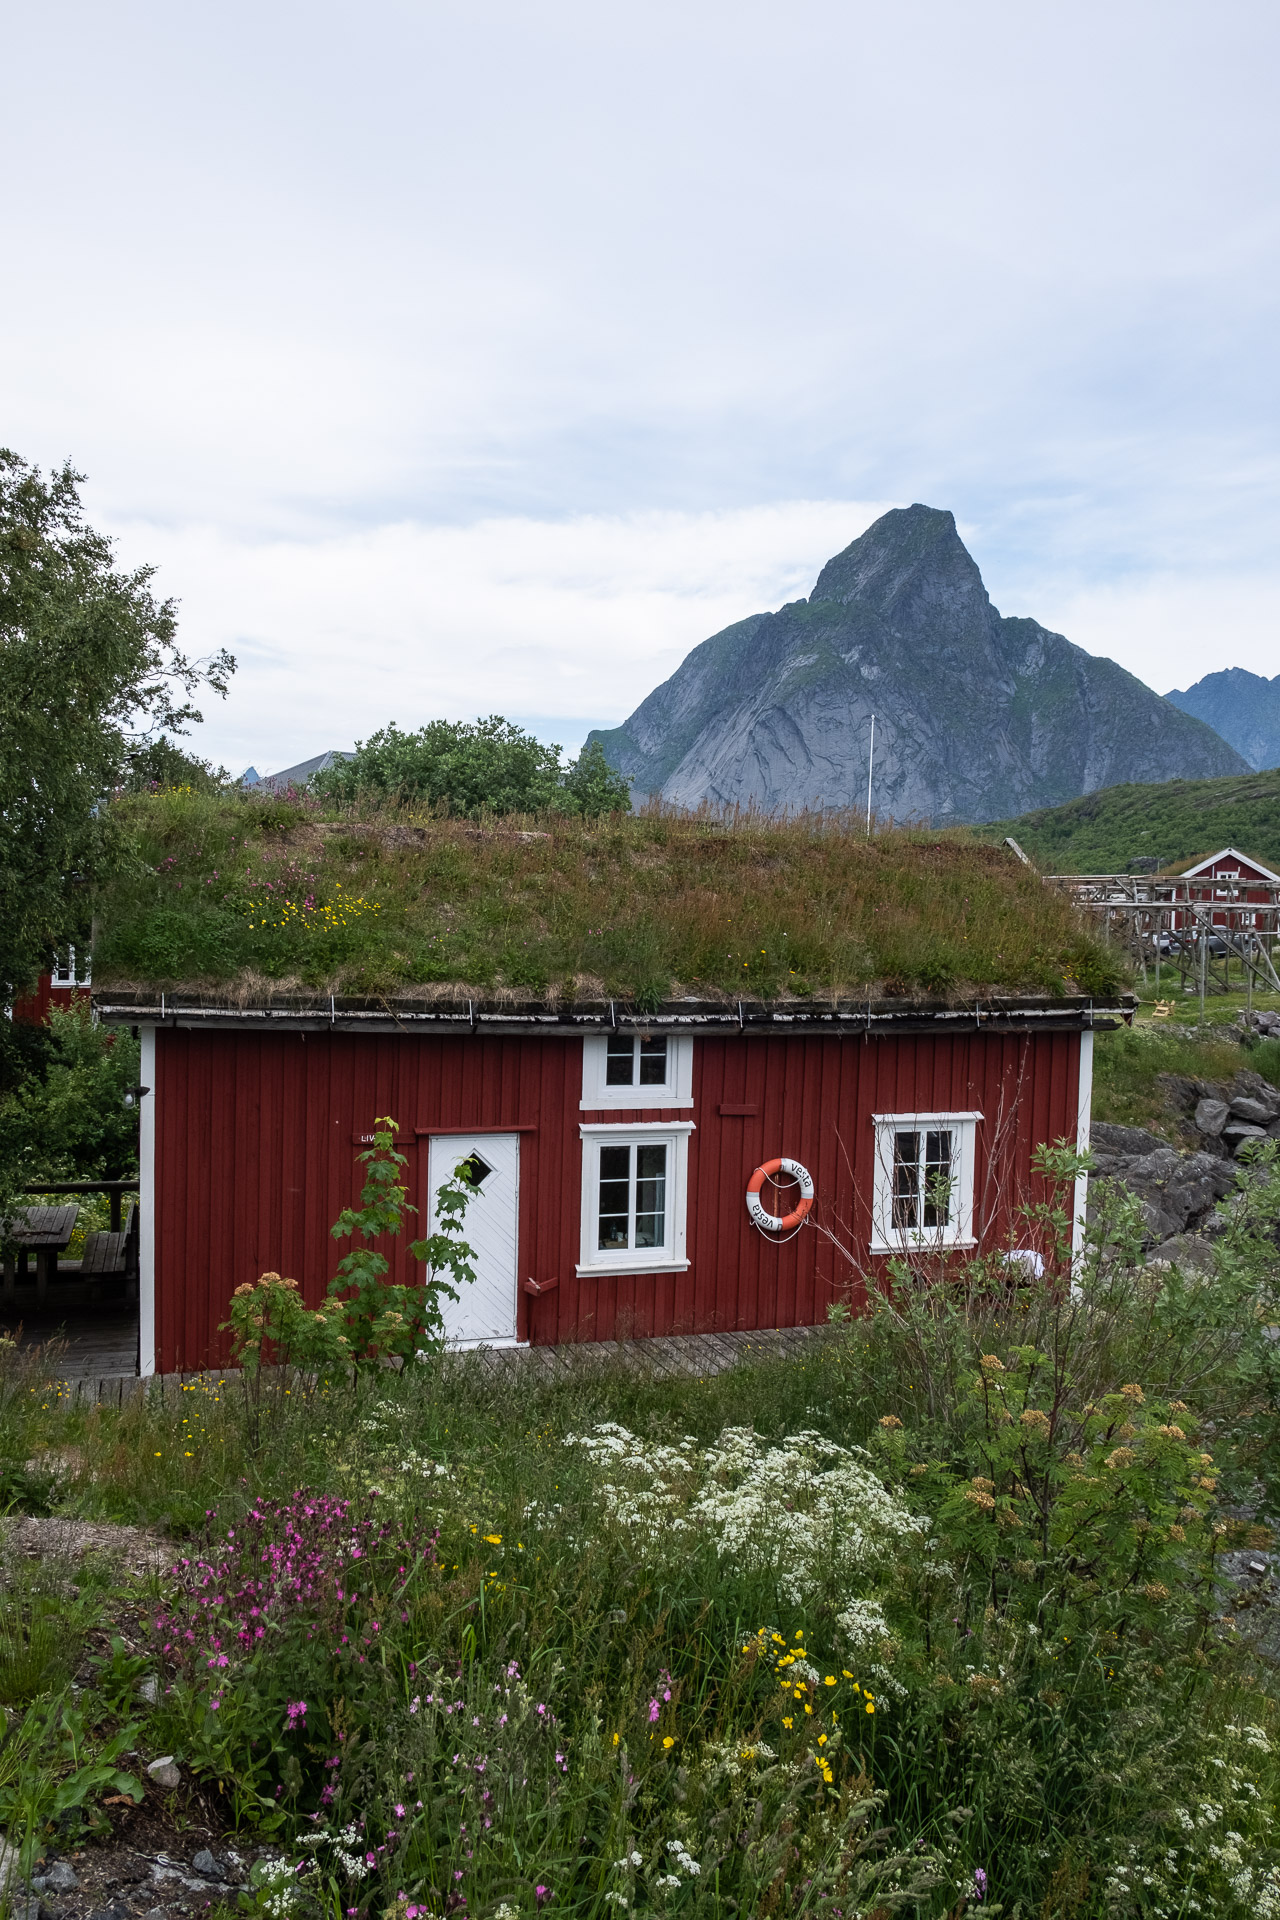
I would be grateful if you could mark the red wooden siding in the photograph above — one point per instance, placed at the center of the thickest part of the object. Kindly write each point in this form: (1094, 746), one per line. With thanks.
(33, 1008)
(257, 1137)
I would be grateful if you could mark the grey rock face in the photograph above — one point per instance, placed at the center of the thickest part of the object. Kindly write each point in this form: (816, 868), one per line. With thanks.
(1106, 1137)
(977, 716)
(1241, 706)
(10, 1865)
(1211, 1117)
(1177, 1191)
(1185, 1250)
(1258, 1111)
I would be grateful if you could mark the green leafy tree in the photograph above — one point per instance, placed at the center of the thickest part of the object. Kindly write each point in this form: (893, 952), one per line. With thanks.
(472, 768)
(362, 1319)
(66, 1118)
(89, 668)
(595, 785)
(161, 763)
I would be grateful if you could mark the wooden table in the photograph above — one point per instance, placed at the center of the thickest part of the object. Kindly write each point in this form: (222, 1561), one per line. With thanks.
(43, 1231)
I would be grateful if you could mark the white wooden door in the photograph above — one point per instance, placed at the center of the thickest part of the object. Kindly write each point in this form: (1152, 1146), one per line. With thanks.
(486, 1311)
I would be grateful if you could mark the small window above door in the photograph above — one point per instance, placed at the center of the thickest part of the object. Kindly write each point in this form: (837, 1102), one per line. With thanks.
(637, 1069)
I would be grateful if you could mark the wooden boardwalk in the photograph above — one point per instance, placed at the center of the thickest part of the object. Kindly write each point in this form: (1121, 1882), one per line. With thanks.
(96, 1363)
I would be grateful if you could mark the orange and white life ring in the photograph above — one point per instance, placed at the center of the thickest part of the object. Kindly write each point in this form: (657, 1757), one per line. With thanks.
(770, 1222)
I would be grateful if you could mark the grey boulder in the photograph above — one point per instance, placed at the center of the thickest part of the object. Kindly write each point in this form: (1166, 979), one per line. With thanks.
(1257, 1111)
(206, 1866)
(1211, 1117)
(1107, 1138)
(164, 1771)
(1184, 1250)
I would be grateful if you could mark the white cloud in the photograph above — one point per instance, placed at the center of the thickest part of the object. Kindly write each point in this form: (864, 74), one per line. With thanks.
(573, 619)
(1171, 630)
(446, 359)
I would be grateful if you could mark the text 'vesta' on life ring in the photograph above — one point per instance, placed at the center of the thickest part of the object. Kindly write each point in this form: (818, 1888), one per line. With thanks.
(771, 1222)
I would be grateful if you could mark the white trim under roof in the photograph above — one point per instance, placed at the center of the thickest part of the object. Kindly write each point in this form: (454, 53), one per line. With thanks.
(1229, 853)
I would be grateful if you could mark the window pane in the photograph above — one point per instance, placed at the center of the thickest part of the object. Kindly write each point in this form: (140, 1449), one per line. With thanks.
(615, 1198)
(651, 1196)
(937, 1179)
(620, 1060)
(906, 1180)
(653, 1062)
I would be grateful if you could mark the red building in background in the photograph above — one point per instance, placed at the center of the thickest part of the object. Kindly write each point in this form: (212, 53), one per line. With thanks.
(60, 988)
(1229, 881)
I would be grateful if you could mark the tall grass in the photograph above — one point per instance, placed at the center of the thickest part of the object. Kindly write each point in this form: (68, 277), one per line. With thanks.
(606, 1641)
(639, 907)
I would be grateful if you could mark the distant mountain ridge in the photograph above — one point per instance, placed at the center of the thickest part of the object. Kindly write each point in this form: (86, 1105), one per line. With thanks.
(977, 716)
(1243, 707)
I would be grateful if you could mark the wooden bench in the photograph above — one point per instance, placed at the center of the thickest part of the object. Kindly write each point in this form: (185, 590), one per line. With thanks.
(42, 1231)
(107, 1256)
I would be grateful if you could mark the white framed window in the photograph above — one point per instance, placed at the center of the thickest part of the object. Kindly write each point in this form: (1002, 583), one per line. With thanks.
(635, 1183)
(64, 971)
(636, 1070)
(923, 1193)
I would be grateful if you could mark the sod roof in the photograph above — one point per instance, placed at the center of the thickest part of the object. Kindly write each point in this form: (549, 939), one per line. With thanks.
(244, 899)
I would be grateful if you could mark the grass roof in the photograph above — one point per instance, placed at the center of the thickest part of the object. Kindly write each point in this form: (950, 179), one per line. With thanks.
(251, 897)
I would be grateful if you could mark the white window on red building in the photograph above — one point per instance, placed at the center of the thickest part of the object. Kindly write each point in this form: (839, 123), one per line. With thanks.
(923, 1192)
(64, 972)
(636, 1070)
(634, 1197)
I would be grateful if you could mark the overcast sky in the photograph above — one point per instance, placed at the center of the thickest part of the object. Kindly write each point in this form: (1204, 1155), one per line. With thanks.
(486, 357)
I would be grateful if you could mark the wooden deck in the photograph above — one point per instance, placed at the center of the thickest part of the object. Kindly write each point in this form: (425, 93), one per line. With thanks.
(93, 1357)
(86, 1342)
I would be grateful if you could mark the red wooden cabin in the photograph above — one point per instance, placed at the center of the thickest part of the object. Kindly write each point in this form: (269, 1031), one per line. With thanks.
(1230, 881)
(61, 987)
(611, 1149)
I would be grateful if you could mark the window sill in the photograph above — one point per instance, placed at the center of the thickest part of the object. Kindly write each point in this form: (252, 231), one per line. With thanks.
(608, 1269)
(640, 1100)
(923, 1244)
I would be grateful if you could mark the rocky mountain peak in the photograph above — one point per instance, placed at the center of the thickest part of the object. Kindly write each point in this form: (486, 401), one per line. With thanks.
(977, 717)
(909, 554)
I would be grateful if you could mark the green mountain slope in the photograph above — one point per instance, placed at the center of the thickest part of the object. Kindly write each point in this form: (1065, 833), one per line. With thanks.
(1176, 821)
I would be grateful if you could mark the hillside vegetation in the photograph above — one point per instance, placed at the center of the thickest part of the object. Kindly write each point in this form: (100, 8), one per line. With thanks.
(1177, 821)
(215, 889)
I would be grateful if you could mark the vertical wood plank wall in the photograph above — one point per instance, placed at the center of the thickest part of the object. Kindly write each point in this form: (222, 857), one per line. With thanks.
(257, 1137)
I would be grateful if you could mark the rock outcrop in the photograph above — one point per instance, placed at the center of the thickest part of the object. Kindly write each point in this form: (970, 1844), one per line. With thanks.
(978, 717)
(1179, 1188)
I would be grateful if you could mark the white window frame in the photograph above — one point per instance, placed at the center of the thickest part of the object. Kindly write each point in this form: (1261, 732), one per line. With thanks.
(675, 1091)
(60, 976)
(958, 1232)
(670, 1257)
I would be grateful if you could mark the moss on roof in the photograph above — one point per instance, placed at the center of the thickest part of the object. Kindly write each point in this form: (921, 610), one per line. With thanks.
(218, 891)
